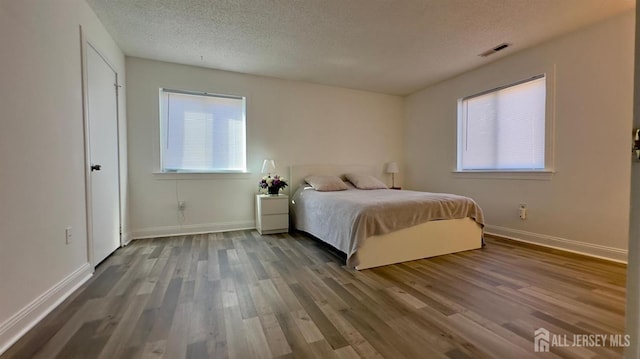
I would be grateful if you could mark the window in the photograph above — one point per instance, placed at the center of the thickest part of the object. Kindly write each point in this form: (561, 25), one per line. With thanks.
(505, 129)
(202, 132)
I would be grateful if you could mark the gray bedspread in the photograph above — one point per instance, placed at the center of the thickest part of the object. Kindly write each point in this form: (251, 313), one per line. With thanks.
(345, 219)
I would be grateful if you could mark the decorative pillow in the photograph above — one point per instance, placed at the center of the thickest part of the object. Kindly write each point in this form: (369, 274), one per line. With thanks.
(326, 183)
(365, 181)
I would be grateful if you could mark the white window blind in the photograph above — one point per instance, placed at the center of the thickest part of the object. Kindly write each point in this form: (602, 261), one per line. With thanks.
(202, 132)
(504, 128)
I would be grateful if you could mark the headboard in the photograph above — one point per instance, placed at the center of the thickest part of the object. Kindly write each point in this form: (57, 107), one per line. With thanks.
(297, 173)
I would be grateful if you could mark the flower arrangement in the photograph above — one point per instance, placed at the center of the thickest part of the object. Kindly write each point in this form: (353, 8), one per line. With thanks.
(272, 184)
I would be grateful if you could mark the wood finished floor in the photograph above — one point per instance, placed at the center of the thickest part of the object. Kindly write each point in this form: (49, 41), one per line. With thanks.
(242, 295)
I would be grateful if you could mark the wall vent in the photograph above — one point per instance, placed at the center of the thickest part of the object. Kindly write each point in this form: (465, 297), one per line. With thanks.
(495, 49)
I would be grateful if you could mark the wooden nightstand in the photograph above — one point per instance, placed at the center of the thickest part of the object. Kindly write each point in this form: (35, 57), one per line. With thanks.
(272, 213)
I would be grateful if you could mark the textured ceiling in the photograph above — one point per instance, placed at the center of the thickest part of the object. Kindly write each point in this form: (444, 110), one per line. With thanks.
(387, 46)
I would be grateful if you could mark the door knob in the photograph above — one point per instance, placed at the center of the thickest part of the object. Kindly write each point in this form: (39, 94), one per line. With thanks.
(95, 168)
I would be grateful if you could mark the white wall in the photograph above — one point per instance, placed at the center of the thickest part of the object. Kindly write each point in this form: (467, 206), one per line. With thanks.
(289, 121)
(42, 155)
(584, 207)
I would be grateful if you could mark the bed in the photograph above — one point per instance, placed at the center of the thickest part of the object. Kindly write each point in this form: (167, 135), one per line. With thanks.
(355, 222)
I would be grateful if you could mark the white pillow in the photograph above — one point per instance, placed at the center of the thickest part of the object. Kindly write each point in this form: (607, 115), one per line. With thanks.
(362, 181)
(326, 183)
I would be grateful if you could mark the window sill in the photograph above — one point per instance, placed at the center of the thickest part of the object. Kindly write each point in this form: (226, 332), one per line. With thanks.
(544, 175)
(190, 175)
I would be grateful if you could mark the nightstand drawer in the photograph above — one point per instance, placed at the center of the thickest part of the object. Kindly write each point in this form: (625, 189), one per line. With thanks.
(275, 221)
(274, 205)
(272, 214)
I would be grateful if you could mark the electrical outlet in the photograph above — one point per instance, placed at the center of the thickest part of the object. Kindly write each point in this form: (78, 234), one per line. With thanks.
(68, 235)
(523, 211)
(181, 205)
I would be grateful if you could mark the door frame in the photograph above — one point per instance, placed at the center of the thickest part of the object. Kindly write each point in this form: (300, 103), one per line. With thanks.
(85, 43)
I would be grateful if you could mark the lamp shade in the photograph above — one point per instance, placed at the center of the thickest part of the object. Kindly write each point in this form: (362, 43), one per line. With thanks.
(392, 167)
(268, 166)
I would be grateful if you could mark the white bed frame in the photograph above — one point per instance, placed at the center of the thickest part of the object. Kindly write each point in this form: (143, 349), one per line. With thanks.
(422, 241)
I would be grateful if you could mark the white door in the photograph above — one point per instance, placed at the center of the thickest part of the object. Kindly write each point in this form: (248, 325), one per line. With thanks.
(103, 156)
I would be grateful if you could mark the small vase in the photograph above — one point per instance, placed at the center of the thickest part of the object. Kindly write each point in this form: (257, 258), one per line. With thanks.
(273, 190)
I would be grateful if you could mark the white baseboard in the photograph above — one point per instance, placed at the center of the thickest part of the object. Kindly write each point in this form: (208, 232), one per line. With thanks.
(191, 229)
(126, 239)
(17, 325)
(589, 249)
